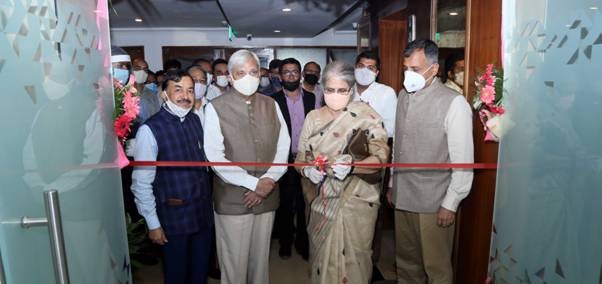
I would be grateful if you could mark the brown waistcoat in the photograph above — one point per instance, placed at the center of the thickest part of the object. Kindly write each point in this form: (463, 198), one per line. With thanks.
(420, 138)
(250, 129)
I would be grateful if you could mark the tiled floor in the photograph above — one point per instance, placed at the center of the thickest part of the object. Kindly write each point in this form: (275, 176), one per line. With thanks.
(291, 271)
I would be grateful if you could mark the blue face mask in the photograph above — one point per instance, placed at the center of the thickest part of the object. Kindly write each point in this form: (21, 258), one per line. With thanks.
(121, 75)
(151, 87)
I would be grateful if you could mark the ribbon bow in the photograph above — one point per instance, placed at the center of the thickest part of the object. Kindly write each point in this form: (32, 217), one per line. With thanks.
(320, 163)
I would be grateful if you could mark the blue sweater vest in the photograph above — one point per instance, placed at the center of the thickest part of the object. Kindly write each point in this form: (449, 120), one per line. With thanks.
(182, 194)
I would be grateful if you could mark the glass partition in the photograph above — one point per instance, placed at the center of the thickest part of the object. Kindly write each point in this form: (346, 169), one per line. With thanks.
(547, 226)
(57, 134)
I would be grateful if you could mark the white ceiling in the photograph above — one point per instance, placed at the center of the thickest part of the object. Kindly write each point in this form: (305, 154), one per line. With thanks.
(257, 17)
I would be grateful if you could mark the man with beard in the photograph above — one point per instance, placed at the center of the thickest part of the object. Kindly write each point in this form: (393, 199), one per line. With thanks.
(295, 103)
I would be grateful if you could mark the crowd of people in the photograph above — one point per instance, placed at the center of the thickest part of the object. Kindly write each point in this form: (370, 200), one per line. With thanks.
(325, 124)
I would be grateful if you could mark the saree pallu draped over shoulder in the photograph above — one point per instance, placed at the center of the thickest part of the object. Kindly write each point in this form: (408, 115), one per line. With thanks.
(343, 215)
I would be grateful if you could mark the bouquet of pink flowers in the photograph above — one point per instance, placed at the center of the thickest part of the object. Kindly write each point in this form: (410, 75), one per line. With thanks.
(488, 101)
(126, 107)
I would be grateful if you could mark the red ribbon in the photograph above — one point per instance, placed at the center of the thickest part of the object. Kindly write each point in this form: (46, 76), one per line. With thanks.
(320, 163)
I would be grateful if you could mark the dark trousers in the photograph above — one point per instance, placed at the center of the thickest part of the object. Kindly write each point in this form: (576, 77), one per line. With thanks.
(186, 257)
(292, 205)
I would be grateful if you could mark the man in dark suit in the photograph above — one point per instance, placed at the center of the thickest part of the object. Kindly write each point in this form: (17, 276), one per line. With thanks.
(175, 202)
(294, 103)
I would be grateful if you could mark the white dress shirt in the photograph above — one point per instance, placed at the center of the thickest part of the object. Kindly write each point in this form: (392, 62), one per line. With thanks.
(452, 85)
(383, 100)
(215, 152)
(201, 111)
(213, 92)
(146, 149)
(458, 127)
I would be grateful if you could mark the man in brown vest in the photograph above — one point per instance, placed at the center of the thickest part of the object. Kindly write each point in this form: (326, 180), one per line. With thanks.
(433, 125)
(245, 126)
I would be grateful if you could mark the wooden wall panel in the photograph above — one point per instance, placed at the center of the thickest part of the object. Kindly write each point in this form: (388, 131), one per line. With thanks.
(484, 20)
(392, 40)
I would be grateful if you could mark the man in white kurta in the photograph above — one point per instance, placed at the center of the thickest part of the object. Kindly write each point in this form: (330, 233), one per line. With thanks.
(244, 126)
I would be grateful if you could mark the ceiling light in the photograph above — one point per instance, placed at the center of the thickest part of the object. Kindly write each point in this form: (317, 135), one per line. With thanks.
(593, 8)
(276, 31)
(453, 13)
(286, 9)
(138, 20)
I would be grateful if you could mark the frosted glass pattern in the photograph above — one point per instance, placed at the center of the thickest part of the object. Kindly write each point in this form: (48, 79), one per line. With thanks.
(57, 135)
(547, 226)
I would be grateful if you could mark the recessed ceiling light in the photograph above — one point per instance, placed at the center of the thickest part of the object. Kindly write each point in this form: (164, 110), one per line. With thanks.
(224, 22)
(276, 31)
(593, 8)
(453, 13)
(286, 9)
(138, 20)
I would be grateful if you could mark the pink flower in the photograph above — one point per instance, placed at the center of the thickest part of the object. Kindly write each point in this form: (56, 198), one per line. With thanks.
(131, 106)
(488, 77)
(117, 84)
(489, 69)
(497, 109)
(122, 126)
(132, 80)
(487, 95)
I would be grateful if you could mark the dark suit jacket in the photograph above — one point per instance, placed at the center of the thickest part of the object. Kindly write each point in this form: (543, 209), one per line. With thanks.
(309, 103)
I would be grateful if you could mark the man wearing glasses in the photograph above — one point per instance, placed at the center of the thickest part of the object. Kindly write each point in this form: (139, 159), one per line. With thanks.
(295, 103)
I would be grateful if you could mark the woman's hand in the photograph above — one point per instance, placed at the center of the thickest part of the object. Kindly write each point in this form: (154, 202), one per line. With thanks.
(313, 174)
(342, 167)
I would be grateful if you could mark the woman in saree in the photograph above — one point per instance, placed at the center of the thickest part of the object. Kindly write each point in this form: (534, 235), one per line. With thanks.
(343, 215)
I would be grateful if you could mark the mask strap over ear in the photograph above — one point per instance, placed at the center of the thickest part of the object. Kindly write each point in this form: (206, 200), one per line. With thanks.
(427, 69)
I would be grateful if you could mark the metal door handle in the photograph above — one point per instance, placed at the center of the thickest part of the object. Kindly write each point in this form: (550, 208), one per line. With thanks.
(55, 229)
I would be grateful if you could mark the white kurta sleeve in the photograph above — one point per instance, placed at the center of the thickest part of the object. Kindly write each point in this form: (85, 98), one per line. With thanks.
(215, 152)
(282, 150)
(146, 149)
(458, 126)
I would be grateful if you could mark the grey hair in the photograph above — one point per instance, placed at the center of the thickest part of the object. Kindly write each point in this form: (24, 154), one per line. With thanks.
(196, 67)
(431, 51)
(241, 57)
(339, 70)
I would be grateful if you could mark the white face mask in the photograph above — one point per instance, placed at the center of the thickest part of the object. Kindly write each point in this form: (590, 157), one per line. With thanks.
(364, 76)
(175, 109)
(199, 90)
(222, 81)
(414, 81)
(55, 90)
(264, 82)
(209, 78)
(141, 76)
(459, 79)
(246, 85)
